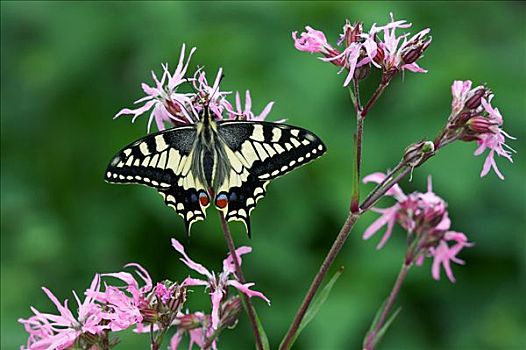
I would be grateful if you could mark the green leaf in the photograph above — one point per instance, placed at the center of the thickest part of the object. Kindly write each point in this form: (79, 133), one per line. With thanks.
(262, 333)
(387, 324)
(315, 307)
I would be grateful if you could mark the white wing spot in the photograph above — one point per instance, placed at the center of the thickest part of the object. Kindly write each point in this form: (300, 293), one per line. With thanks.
(305, 142)
(288, 146)
(162, 160)
(276, 134)
(173, 159)
(295, 132)
(155, 159)
(249, 153)
(279, 148)
(261, 152)
(284, 168)
(271, 152)
(292, 162)
(257, 134)
(129, 161)
(144, 148)
(145, 161)
(295, 142)
(127, 152)
(160, 144)
(300, 159)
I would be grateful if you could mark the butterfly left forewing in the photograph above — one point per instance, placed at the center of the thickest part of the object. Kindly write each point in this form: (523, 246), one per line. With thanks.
(163, 161)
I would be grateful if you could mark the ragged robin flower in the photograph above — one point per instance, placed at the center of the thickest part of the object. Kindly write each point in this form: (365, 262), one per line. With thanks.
(358, 49)
(425, 218)
(49, 332)
(473, 118)
(218, 284)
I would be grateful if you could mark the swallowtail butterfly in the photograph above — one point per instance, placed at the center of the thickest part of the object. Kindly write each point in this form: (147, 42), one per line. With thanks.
(227, 163)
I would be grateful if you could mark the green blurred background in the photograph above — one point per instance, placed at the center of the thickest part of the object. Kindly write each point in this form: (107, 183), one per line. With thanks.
(67, 68)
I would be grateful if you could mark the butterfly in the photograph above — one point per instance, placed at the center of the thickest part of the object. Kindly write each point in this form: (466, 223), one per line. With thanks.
(227, 163)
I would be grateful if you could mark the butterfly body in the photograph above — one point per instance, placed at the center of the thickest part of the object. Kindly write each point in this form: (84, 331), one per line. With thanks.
(224, 163)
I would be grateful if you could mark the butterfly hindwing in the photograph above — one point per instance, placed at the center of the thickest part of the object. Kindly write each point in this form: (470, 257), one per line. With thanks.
(163, 161)
(259, 152)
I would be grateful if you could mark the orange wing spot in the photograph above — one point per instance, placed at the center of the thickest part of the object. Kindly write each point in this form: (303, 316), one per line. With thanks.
(221, 201)
(203, 199)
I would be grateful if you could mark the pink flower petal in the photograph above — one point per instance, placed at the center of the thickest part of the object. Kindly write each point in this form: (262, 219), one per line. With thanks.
(245, 289)
(228, 263)
(216, 297)
(189, 262)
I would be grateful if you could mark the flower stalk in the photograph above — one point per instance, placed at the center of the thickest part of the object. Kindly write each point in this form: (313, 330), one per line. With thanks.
(374, 335)
(251, 312)
(318, 279)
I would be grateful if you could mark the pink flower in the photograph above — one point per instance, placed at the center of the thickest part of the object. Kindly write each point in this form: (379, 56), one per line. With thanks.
(461, 91)
(245, 112)
(312, 41)
(443, 254)
(425, 218)
(218, 285)
(402, 56)
(48, 331)
(125, 303)
(494, 141)
(361, 48)
(163, 293)
(215, 98)
(165, 103)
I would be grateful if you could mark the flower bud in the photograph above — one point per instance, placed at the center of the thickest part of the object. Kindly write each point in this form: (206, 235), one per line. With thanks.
(351, 33)
(481, 125)
(380, 55)
(230, 311)
(475, 100)
(414, 52)
(189, 321)
(149, 315)
(414, 154)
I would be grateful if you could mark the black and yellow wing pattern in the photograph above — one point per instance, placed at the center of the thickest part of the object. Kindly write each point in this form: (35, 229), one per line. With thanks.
(254, 153)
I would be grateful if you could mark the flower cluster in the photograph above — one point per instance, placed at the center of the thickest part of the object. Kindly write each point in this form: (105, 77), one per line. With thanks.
(358, 50)
(169, 105)
(425, 218)
(473, 118)
(136, 303)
